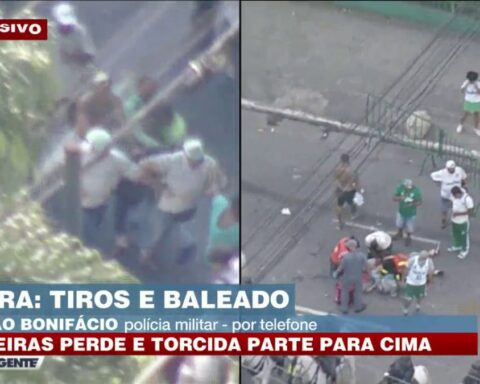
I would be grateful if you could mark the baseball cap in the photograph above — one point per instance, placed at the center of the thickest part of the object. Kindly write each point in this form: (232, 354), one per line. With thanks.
(101, 77)
(450, 164)
(408, 183)
(64, 14)
(193, 149)
(98, 138)
(423, 255)
(351, 244)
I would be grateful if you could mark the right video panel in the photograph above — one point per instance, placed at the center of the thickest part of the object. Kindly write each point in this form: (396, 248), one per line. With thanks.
(360, 172)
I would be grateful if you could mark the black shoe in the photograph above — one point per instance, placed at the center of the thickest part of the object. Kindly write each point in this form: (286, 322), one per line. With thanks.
(361, 309)
(408, 241)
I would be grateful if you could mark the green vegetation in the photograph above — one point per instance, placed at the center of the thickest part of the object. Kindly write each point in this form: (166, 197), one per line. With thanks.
(32, 252)
(28, 92)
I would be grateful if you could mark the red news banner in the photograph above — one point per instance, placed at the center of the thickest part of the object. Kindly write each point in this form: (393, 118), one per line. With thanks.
(238, 344)
(23, 29)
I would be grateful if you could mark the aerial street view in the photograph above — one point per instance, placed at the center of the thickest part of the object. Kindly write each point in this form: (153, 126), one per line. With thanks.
(119, 161)
(360, 172)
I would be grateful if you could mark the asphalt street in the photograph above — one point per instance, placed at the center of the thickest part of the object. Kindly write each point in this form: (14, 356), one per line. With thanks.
(269, 183)
(338, 56)
(145, 37)
(324, 60)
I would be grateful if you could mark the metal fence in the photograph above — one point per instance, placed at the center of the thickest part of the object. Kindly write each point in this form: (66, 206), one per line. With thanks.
(389, 121)
(461, 7)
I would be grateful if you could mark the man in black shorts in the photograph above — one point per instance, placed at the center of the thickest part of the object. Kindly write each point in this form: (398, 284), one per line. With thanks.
(346, 185)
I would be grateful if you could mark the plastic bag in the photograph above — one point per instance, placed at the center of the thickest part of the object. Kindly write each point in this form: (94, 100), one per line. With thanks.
(358, 199)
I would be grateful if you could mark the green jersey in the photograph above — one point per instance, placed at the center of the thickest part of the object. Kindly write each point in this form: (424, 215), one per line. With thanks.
(171, 135)
(407, 208)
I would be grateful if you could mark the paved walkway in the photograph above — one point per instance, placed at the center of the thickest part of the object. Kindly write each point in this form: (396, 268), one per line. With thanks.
(340, 56)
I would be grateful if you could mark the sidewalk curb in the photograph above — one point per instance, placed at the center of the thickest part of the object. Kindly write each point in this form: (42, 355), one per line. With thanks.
(360, 130)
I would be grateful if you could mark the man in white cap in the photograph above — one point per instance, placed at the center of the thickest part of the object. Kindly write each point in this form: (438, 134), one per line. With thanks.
(419, 272)
(180, 180)
(75, 48)
(449, 177)
(100, 180)
(408, 197)
(350, 272)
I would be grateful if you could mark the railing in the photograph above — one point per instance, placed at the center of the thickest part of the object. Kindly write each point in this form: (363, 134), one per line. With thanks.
(388, 120)
(467, 8)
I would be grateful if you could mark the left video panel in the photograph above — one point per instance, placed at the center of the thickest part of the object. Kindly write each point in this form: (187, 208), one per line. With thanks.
(119, 148)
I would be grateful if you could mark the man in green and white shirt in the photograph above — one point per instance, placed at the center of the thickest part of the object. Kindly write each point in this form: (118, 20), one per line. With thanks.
(163, 127)
(409, 197)
(462, 208)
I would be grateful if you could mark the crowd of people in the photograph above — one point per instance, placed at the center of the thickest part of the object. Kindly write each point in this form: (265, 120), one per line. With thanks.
(155, 177)
(380, 267)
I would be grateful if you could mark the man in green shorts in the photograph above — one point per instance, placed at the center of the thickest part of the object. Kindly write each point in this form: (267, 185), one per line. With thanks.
(409, 197)
(418, 273)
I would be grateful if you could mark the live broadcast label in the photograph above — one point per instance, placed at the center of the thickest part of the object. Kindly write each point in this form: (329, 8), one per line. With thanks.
(23, 29)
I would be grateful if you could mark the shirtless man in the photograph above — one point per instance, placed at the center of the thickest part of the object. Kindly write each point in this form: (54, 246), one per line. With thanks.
(346, 185)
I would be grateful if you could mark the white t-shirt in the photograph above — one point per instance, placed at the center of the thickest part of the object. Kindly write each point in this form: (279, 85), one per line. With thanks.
(417, 274)
(183, 186)
(72, 75)
(463, 204)
(449, 180)
(99, 180)
(384, 240)
(471, 91)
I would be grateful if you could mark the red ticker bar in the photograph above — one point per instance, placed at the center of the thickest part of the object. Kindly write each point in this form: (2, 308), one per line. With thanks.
(238, 344)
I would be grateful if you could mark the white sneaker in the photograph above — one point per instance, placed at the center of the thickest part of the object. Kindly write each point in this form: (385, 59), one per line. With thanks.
(462, 255)
(453, 249)
(459, 128)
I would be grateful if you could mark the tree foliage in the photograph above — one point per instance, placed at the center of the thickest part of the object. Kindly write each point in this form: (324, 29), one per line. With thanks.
(28, 91)
(31, 252)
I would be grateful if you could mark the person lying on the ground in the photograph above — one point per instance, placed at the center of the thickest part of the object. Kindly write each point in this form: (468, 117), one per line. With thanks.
(99, 107)
(163, 127)
(379, 244)
(387, 272)
(180, 180)
(100, 180)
